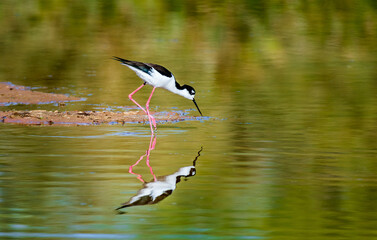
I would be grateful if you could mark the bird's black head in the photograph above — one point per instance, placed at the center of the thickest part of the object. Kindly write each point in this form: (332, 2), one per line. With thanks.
(190, 89)
(189, 93)
(191, 96)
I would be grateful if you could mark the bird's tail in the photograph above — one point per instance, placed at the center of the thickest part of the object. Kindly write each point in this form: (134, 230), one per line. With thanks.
(138, 65)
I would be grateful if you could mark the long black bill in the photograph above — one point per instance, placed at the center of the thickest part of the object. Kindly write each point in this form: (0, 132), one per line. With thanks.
(197, 107)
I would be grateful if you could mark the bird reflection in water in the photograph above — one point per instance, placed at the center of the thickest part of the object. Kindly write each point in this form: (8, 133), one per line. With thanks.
(161, 186)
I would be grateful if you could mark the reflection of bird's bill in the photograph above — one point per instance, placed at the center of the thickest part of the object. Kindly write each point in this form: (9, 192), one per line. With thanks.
(197, 107)
(196, 158)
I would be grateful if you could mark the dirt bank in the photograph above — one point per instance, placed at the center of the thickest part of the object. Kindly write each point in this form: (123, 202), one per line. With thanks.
(43, 117)
(11, 95)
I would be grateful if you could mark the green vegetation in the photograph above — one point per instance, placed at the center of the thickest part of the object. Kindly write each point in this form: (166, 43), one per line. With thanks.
(290, 152)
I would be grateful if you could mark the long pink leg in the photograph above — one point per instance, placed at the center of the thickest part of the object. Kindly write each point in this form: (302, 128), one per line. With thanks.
(130, 97)
(147, 107)
(151, 147)
(130, 170)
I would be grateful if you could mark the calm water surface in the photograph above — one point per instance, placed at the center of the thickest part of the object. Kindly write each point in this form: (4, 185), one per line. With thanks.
(288, 89)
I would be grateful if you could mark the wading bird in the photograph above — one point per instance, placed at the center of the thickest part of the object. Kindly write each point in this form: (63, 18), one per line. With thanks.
(158, 77)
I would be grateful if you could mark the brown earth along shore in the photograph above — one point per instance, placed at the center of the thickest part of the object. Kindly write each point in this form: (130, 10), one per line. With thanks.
(11, 95)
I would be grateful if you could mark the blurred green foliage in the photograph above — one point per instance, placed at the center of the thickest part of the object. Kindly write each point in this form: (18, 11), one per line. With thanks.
(292, 85)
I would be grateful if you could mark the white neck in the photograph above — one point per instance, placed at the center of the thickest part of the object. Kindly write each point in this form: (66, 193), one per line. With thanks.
(184, 93)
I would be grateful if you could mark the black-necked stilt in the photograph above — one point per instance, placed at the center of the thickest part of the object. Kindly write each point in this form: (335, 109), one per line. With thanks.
(161, 187)
(158, 77)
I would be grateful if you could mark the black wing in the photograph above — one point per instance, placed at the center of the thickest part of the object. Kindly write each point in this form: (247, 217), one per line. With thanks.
(161, 70)
(146, 200)
(139, 65)
(145, 67)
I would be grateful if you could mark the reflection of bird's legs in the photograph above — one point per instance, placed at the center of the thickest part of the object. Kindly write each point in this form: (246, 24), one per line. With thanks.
(131, 167)
(150, 117)
(152, 145)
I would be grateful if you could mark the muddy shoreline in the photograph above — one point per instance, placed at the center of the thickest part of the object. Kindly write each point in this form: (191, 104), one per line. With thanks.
(12, 95)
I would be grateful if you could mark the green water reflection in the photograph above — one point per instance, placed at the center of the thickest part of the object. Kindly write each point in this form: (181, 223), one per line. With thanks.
(289, 150)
